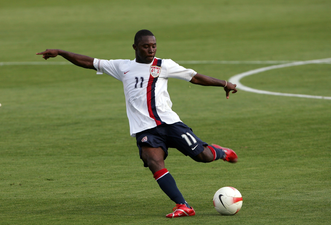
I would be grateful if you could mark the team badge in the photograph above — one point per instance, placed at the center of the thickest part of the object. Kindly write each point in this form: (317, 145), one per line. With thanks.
(144, 139)
(155, 71)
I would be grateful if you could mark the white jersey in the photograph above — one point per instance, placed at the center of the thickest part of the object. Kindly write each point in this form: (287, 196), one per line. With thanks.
(147, 99)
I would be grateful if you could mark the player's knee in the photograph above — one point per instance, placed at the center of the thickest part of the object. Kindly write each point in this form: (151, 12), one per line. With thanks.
(153, 158)
(154, 165)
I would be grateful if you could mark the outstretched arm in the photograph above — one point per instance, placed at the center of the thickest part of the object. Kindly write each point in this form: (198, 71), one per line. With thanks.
(211, 81)
(79, 60)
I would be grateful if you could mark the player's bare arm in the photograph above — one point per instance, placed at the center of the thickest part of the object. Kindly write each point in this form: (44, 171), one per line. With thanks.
(77, 59)
(204, 80)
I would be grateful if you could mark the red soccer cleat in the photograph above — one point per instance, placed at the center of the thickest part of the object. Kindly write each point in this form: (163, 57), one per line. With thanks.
(230, 155)
(181, 210)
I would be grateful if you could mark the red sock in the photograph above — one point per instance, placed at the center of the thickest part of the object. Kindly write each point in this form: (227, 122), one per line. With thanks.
(217, 152)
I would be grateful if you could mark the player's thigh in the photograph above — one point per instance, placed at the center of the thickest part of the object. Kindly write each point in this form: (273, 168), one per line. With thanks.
(182, 138)
(149, 140)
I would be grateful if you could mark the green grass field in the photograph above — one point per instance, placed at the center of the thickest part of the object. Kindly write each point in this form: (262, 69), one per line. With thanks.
(66, 156)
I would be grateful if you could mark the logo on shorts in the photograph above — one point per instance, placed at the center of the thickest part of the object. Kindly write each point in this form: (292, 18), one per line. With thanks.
(144, 139)
(155, 71)
(194, 147)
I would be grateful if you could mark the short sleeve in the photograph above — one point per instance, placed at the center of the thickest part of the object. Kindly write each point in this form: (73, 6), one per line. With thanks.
(110, 67)
(97, 66)
(175, 70)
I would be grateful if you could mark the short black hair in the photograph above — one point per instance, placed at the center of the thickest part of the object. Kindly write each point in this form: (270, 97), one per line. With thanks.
(140, 34)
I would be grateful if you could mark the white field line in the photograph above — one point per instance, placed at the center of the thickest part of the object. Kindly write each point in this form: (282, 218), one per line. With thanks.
(32, 63)
(233, 62)
(180, 62)
(236, 79)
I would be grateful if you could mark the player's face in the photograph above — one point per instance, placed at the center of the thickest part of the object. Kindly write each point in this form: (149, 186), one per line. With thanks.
(145, 49)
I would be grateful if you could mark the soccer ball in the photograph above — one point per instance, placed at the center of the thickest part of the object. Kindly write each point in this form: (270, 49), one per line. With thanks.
(227, 201)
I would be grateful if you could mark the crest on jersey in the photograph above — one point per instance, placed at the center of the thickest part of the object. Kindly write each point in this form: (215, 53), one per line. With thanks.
(155, 71)
(144, 139)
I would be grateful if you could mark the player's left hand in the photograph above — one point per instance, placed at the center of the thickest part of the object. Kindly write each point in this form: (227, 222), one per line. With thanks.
(230, 87)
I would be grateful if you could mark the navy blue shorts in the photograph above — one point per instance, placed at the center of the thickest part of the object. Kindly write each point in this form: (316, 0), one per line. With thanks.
(176, 135)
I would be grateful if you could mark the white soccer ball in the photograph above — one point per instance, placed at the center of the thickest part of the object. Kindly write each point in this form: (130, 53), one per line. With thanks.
(227, 200)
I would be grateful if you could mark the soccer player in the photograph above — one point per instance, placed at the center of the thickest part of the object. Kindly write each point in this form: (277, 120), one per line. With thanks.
(148, 105)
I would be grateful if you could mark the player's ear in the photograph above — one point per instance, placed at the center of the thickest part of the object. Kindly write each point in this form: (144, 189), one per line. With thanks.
(134, 46)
